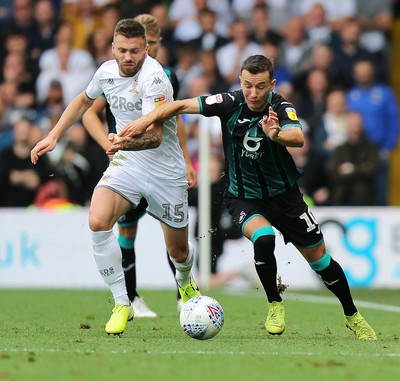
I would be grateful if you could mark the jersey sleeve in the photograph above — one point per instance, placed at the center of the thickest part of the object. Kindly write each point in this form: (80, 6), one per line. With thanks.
(93, 90)
(287, 114)
(156, 91)
(217, 104)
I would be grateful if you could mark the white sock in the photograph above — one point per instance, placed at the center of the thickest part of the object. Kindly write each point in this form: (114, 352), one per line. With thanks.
(182, 275)
(108, 257)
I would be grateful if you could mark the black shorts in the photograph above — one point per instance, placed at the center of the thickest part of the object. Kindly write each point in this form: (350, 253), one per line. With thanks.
(132, 216)
(287, 212)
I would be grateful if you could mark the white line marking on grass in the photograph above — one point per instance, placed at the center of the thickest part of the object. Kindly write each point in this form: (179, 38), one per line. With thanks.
(300, 297)
(197, 352)
(332, 300)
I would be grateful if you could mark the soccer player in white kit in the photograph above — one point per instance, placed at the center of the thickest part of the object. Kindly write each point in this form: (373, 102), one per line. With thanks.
(134, 84)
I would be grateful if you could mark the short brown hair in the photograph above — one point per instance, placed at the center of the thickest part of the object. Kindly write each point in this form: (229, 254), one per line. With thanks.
(130, 28)
(258, 64)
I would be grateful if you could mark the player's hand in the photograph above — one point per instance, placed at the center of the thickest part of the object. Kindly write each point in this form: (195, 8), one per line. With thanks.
(271, 125)
(191, 175)
(116, 144)
(135, 128)
(45, 145)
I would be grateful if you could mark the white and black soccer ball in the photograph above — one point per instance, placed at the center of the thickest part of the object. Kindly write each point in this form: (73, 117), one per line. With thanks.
(201, 317)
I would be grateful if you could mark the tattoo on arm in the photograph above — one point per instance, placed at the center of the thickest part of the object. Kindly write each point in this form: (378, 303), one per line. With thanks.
(150, 139)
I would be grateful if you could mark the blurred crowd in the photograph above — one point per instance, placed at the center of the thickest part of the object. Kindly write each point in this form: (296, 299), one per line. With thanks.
(331, 60)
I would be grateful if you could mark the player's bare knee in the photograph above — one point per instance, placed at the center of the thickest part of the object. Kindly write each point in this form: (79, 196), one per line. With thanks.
(178, 253)
(97, 224)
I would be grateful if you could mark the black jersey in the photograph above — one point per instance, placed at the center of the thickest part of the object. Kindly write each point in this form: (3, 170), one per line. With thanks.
(175, 87)
(255, 166)
(173, 79)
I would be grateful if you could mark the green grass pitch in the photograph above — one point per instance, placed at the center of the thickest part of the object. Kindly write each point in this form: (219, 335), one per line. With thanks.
(59, 335)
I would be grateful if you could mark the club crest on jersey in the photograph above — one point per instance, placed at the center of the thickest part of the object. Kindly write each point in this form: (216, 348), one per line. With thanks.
(159, 100)
(242, 216)
(212, 99)
(133, 87)
(291, 113)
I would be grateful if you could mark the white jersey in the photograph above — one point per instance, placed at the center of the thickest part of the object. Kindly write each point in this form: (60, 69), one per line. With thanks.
(131, 97)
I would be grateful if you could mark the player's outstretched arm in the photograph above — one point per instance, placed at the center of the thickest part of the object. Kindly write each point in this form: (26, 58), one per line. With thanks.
(151, 138)
(71, 114)
(160, 114)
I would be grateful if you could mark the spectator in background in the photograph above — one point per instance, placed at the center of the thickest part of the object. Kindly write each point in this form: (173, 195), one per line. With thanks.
(231, 55)
(354, 166)
(74, 166)
(160, 12)
(51, 109)
(349, 51)
(21, 18)
(260, 25)
(187, 66)
(17, 44)
(311, 103)
(314, 184)
(133, 8)
(84, 19)
(279, 11)
(184, 17)
(337, 13)
(16, 104)
(19, 178)
(99, 46)
(46, 23)
(110, 15)
(377, 104)
(375, 18)
(210, 72)
(318, 29)
(321, 58)
(15, 71)
(209, 39)
(295, 47)
(72, 67)
(332, 129)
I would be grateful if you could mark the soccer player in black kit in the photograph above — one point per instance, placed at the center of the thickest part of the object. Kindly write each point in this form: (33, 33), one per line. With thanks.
(261, 193)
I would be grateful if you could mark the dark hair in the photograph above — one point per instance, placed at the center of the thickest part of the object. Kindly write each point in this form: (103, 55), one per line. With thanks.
(130, 28)
(258, 64)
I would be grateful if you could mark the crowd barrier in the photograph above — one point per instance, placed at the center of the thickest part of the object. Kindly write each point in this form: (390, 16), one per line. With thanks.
(41, 249)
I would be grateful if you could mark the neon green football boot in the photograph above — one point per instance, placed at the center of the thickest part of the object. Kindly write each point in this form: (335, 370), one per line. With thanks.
(119, 318)
(189, 291)
(360, 327)
(275, 323)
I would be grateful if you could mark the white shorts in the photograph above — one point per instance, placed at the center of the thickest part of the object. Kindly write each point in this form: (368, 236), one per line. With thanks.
(167, 199)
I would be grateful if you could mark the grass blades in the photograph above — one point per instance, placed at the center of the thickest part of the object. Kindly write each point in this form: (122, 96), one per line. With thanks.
(59, 334)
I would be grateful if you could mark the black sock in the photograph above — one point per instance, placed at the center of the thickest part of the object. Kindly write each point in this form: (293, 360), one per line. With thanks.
(265, 262)
(173, 269)
(129, 266)
(335, 280)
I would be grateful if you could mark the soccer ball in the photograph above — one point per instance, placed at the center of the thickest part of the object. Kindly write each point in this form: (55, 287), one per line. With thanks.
(201, 317)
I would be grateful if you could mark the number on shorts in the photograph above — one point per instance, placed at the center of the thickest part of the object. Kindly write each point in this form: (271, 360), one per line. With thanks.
(310, 220)
(179, 214)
